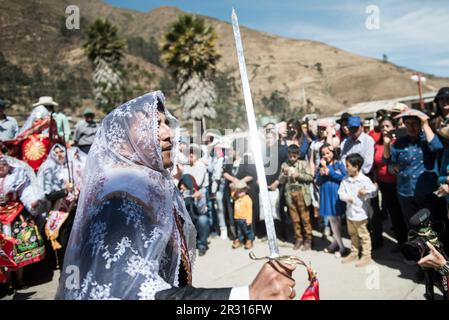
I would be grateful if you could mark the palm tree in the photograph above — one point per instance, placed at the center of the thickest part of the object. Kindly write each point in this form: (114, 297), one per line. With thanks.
(189, 51)
(104, 48)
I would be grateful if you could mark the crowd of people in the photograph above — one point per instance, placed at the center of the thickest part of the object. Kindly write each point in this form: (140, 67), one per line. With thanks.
(346, 176)
(336, 177)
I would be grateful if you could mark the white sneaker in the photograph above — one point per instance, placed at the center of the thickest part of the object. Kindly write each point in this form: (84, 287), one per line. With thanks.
(223, 234)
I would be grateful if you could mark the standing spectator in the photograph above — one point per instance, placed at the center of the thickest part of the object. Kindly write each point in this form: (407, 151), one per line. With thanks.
(215, 172)
(62, 123)
(198, 170)
(272, 162)
(237, 167)
(358, 142)
(8, 125)
(243, 216)
(196, 206)
(296, 136)
(297, 176)
(281, 128)
(329, 175)
(416, 156)
(85, 131)
(326, 134)
(386, 179)
(286, 224)
(355, 190)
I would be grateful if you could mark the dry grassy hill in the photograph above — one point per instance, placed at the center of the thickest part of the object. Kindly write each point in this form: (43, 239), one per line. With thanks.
(32, 35)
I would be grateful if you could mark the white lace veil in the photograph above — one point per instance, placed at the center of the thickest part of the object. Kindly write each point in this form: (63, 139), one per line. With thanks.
(38, 112)
(125, 242)
(52, 174)
(22, 179)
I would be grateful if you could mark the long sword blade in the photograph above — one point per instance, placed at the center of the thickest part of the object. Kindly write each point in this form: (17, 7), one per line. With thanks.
(255, 142)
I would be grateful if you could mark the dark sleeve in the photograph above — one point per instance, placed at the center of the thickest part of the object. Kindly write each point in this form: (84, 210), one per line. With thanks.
(227, 168)
(56, 195)
(303, 149)
(191, 293)
(318, 178)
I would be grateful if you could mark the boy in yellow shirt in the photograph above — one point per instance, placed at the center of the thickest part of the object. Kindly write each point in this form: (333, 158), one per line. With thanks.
(243, 216)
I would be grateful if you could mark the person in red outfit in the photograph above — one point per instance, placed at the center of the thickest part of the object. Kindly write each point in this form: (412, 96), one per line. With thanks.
(385, 177)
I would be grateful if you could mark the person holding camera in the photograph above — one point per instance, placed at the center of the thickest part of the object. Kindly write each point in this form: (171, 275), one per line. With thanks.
(435, 260)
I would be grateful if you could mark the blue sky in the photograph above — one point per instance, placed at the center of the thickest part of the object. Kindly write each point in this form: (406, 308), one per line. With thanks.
(412, 33)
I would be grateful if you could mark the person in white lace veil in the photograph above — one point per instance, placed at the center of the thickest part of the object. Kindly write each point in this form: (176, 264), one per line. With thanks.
(125, 241)
(19, 202)
(133, 237)
(60, 181)
(39, 112)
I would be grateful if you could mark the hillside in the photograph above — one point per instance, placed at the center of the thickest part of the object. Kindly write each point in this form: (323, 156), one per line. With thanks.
(36, 46)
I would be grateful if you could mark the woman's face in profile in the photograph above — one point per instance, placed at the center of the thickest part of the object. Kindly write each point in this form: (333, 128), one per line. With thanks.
(165, 140)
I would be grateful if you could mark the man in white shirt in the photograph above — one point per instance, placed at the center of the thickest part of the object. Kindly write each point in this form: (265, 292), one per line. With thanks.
(358, 142)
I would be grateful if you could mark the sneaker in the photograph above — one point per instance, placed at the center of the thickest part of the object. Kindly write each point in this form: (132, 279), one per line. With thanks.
(248, 244)
(363, 262)
(350, 258)
(307, 245)
(201, 252)
(298, 244)
(236, 244)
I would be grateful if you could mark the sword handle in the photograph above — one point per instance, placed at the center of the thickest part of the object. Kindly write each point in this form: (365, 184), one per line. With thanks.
(283, 259)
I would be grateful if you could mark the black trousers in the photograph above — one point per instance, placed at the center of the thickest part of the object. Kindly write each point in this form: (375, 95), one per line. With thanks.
(393, 208)
(375, 222)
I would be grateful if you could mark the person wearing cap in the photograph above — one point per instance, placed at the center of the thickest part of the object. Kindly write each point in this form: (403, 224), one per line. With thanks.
(8, 125)
(86, 130)
(358, 142)
(243, 215)
(62, 123)
(367, 126)
(416, 156)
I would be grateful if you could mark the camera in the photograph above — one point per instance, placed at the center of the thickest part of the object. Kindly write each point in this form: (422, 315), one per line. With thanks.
(421, 231)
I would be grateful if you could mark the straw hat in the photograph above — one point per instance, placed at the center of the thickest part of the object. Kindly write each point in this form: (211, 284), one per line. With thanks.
(46, 101)
(241, 185)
